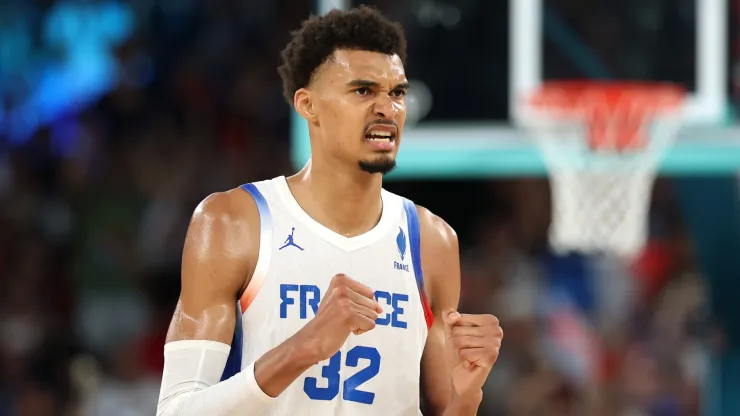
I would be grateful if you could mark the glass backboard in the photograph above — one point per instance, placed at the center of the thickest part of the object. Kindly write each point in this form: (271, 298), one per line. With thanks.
(470, 62)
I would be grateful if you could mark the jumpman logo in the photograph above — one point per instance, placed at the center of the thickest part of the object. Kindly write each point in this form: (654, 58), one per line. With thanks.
(289, 241)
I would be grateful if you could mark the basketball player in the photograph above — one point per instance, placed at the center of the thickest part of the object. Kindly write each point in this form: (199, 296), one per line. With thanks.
(323, 294)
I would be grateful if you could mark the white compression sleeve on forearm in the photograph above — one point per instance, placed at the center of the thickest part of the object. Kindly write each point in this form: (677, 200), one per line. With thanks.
(191, 387)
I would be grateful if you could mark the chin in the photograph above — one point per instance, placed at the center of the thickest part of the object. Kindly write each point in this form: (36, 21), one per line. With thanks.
(382, 164)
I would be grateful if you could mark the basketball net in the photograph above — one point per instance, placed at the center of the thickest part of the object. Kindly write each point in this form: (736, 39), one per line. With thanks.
(602, 144)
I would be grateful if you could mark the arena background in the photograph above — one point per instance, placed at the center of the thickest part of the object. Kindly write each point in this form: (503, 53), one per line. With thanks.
(117, 118)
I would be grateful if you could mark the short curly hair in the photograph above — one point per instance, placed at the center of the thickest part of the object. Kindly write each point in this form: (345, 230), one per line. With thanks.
(363, 28)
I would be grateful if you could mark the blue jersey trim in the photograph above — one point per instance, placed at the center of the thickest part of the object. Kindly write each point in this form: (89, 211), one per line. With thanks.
(262, 207)
(414, 242)
(234, 362)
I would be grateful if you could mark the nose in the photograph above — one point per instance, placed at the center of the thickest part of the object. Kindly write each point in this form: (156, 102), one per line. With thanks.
(385, 107)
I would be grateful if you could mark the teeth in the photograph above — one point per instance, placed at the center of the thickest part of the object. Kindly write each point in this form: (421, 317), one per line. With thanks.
(379, 133)
(379, 139)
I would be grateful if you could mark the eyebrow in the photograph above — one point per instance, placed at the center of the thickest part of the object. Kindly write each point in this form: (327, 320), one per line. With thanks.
(363, 83)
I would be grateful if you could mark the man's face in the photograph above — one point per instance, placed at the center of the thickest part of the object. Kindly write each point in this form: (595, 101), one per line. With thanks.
(359, 99)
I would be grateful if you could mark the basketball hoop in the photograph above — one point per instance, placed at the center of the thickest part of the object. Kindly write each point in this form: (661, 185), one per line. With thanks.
(602, 143)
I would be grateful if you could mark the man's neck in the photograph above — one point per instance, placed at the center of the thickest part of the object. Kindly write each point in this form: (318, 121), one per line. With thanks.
(348, 204)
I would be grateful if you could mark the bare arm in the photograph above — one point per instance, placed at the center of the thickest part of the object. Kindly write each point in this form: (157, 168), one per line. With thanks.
(219, 257)
(441, 268)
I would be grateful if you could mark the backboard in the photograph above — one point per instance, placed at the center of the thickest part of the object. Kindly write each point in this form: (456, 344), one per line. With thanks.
(681, 41)
(470, 62)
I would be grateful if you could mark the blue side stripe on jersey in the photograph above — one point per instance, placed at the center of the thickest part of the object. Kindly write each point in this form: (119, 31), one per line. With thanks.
(414, 242)
(234, 362)
(264, 210)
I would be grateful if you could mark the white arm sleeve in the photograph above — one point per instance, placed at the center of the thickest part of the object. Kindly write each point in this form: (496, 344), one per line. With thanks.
(191, 387)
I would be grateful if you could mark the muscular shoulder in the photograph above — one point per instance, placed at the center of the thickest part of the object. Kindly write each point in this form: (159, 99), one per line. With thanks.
(439, 253)
(223, 235)
(230, 208)
(435, 232)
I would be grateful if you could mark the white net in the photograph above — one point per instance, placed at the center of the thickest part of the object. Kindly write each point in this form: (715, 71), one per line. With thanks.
(600, 197)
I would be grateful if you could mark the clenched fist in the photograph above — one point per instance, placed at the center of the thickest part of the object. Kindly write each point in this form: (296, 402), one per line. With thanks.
(348, 307)
(472, 343)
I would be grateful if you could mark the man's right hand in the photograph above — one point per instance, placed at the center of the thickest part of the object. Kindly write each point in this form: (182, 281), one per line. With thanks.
(347, 307)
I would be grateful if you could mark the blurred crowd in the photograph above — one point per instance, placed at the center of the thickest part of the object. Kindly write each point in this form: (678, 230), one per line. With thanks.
(588, 335)
(94, 209)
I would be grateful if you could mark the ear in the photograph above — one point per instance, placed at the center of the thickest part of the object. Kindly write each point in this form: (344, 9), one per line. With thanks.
(303, 104)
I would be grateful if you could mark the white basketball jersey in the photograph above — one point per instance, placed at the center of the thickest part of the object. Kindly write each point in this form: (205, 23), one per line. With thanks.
(376, 373)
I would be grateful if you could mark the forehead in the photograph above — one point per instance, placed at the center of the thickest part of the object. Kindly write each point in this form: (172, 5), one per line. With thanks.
(347, 65)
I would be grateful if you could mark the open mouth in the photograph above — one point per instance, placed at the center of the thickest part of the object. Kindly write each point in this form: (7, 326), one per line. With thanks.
(381, 137)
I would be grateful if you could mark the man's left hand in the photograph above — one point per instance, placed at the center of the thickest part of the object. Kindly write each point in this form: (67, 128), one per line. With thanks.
(472, 343)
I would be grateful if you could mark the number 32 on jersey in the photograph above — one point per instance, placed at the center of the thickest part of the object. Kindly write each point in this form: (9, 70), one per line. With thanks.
(307, 298)
(351, 388)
